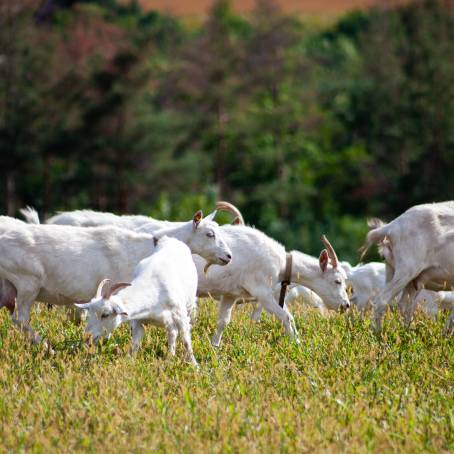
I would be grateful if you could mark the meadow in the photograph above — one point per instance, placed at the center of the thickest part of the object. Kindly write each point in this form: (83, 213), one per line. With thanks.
(342, 390)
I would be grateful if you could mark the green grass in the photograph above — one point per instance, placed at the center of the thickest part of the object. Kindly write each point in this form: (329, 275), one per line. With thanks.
(342, 390)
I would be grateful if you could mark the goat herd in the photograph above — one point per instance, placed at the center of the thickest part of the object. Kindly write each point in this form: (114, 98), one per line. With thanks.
(142, 270)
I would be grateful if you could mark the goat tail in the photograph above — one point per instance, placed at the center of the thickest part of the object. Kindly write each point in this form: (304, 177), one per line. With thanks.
(377, 234)
(30, 215)
(229, 208)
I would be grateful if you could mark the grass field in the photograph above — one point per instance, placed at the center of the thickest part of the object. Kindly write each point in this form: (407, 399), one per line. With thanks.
(342, 390)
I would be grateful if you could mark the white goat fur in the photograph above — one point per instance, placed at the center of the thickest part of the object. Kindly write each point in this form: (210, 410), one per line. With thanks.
(255, 272)
(90, 218)
(366, 280)
(162, 292)
(432, 302)
(421, 242)
(61, 264)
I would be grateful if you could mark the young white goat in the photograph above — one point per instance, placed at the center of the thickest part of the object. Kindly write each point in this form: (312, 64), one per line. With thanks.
(61, 264)
(162, 292)
(366, 281)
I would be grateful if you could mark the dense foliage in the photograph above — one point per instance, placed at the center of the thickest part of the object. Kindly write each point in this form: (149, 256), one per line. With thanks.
(307, 128)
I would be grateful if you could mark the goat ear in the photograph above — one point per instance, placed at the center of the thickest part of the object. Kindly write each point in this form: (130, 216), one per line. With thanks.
(197, 218)
(236, 221)
(323, 260)
(117, 287)
(82, 305)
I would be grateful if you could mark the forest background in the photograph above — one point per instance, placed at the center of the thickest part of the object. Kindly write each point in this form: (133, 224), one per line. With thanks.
(309, 124)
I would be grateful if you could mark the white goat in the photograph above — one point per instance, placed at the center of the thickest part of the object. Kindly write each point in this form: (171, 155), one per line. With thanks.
(420, 243)
(365, 280)
(162, 292)
(432, 302)
(8, 292)
(90, 218)
(61, 264)
(257, 269)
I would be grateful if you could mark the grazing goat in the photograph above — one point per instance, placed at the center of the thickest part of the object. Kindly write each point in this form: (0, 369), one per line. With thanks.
(365, 280)
(162, 292)
(61, 264)
(420, 249)
(257, 269)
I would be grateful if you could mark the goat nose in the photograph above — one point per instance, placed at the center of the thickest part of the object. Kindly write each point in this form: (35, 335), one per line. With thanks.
(229, 256)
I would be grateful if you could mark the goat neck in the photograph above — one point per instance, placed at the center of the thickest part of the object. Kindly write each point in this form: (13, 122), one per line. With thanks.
(305, 269)
(182, 232)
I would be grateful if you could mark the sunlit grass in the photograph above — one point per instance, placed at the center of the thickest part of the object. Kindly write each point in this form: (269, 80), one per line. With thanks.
(343, 389)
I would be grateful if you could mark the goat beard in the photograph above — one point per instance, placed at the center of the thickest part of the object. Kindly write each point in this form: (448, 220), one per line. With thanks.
(205, 269)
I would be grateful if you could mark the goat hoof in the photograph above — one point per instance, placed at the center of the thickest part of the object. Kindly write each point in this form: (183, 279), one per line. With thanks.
(215, 343)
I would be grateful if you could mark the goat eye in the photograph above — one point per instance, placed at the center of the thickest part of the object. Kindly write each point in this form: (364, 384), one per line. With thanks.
(210, 234)
(338, 281)
(104, 315)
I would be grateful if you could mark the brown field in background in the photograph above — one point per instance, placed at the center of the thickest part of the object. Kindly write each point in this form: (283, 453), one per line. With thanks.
(201, 7)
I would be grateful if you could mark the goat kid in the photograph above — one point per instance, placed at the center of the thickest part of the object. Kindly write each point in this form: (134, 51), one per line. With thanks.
(162, 293)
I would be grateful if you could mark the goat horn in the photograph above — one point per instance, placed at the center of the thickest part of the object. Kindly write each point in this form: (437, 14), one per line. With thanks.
(115, 288)
(331, 253)
(101, 286)
(229, 208)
